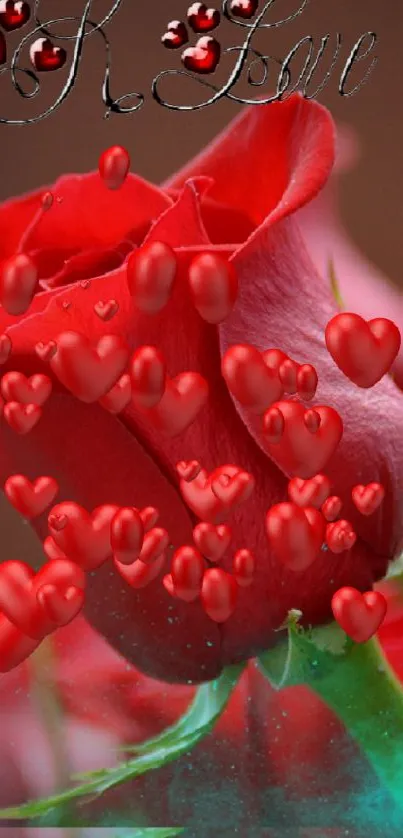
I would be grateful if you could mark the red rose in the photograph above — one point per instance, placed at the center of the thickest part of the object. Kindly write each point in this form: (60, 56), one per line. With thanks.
(269, 163)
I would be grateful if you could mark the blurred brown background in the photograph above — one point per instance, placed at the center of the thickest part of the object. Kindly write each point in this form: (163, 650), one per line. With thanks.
(160, 140)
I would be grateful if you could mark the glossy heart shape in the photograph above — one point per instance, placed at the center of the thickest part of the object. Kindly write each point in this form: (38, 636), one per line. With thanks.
(88, 371)
(244, 8)
(151, 271)
(187, 571)
(363, 351)
(46, 351)
(113, 167)
(312, 492)
(308, 440)
(85, 538)
(119, 396)
(15, 646)
(332, 507)
(295, 535)
(184, 397)
(106, 310)
(244, 567)
(340, 536)
(202, 19)
(148, 376)
(138, 574)
(368, 498)
(156, 541)
(203, 57)
(14, 14)
(188, 470)
(205, 503)
(127, 535)
(175, 36)
(30, 499)
(18, 282)
(251, 381)
(212, 541)
(22, 417)
(213, 284)
(219, 594)
(46, 57)
(16, 387)
(359, 615)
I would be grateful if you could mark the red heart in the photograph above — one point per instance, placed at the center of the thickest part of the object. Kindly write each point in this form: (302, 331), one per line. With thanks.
(13, 14)
(368, 498)
(106, 310)
(213, 285)
(15, 646)
(188, 470)
(302, 450)
(85, 539)
(46, 351)
(30, 499)
(359, 615)
(232, 489)
(244, 567)
(89, 372)
(51, 549)
(187, 570)
(244, 8)
(113, 167)
(60, 607)
(218, 594)
(203, 57)
(202, 19)
(19, 585)
(155, 543)
(127, 535)
(148, 376)
(332, 507)
(295, 535)
(340, 536)
(175, 36)
(45, 57)
(18, 282)
(212, 541)
(22, 417)
(253, 382)
(119, 396)
(149, 516)
(215, 505)
(16, 387)
(5, 344)
(184, 397)
(151, 272)
(312, 492)
(363, 351)
(138, 574)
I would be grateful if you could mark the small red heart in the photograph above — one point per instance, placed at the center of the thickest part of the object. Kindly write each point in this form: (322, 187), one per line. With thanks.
(187, 570)
(307, 382)
(89, 372)
(188, 470)
(215, 505)
(30, 499)
(46, 351)
(213, 284)
(45, 57)
(86, 538)
(22, 417)
(148, 376)
(212, 541)
(106, 310)
(232, 489)
(127, 535)
(244, 567)
(183, 399)
(151, 272)
(363, 351)
(138, 574)
(203, 57)
(219, 594)
(202, 19)
(368, 498)
(60, 607)
(312, 492)
(5, 345)
(15, 646)
(51, 550)
(18, 283)
(149, 516)
(251, 381)
(15, 387)
(308, 440)
(14, 14)
(359, 615)
(175, 36)
(244, 8)
(119, 396)
(155, 543)
(340, 536)
(295, 535)
(113, 167)
(332, 507)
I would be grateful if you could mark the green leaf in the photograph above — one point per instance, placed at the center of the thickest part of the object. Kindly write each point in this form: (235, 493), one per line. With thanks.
(395, 571)
(206, 708)
(153, 832)
(334, 285)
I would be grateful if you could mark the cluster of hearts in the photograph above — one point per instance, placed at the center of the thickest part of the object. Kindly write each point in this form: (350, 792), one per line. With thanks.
(204, 56)
(44, 55)
(32, 605)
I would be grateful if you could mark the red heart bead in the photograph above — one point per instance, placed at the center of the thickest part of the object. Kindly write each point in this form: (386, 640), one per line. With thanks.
(175, 36)
(13, 14)
(244, 8)
(151, 272)
(46, 57)
(364, 351)
(308, 440)
(15, 387)
(312, 492)
(119, 396)
(203, 57)
(219, 594)
(30, 499)
(212, 541)
(113, 167)
(295, 535)
(89, 371)
(254, 383)
(22, 417)
(202, 19)
(359, 615)
(368, 498)
(85, 538)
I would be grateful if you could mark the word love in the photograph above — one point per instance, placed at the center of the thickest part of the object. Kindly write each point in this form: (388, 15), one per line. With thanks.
(202, 57)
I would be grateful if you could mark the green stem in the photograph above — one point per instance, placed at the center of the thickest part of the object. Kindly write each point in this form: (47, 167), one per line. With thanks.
(365, 694)
(356, 681)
